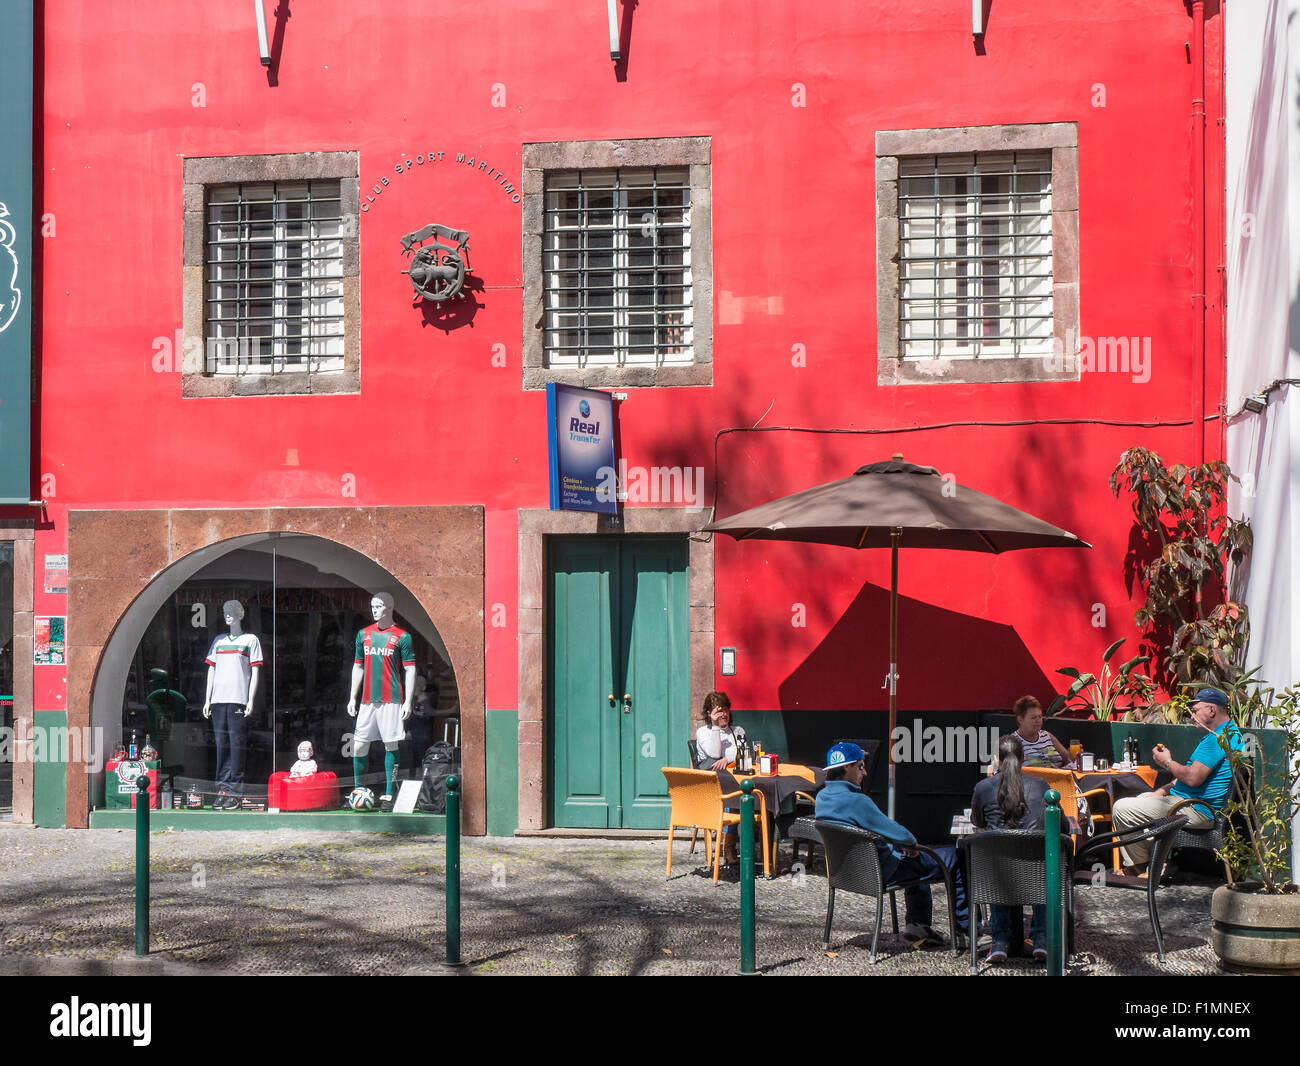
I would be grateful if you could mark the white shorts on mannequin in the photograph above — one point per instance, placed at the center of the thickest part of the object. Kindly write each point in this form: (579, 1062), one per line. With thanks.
(379, 721)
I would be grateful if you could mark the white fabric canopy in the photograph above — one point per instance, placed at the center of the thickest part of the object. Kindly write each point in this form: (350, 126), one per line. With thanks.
(1263, 327)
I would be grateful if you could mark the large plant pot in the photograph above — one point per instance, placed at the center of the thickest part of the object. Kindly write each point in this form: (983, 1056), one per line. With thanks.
(1254, 932)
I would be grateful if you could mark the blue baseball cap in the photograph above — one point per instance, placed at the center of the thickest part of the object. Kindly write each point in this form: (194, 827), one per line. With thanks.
(844, 755)
(1211, 695)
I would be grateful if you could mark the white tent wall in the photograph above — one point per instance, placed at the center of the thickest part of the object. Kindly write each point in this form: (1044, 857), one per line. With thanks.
(1262, 72)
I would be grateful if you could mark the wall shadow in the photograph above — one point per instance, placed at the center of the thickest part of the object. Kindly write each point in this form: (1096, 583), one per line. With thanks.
(945, 660)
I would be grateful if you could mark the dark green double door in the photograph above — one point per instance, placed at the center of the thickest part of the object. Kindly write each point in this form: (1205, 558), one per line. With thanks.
(619, 688)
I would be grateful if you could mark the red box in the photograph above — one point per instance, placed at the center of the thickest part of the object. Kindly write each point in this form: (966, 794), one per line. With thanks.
(315, 792)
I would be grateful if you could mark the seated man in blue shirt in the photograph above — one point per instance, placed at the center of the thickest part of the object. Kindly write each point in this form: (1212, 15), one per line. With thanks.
(1207, 776)
(842, 800)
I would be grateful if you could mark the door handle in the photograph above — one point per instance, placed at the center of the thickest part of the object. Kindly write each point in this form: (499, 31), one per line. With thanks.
(610, 697)
(627, 703)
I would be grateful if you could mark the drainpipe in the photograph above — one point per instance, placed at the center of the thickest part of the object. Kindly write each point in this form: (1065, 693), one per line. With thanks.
(1199, 373)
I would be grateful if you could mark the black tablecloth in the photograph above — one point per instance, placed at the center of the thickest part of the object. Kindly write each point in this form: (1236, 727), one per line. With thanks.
(1119, 785)
(776, 790)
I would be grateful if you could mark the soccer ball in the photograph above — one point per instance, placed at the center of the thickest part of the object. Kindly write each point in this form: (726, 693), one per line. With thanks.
(361, 799)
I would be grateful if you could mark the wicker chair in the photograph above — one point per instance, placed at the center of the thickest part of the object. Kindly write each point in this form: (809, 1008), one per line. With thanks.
(1007, 868)
(696, 797)
(1074, 804)
(801, 828)
(853, 864)
(1161, 834)
(1209, 836)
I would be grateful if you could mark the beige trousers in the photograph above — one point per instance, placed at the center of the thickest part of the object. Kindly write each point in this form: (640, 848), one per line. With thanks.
(1134, 811)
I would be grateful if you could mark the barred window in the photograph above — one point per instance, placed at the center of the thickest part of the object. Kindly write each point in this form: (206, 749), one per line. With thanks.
(274, 262)
(975, 269)
(617, 268)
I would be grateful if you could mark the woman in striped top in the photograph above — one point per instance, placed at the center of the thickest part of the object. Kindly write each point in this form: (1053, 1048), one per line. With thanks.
(1039, 745)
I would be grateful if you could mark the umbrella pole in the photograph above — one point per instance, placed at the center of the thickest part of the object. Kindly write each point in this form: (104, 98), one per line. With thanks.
(894, 535)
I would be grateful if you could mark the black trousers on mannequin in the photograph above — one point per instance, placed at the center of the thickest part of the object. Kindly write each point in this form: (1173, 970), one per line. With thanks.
(231, 729)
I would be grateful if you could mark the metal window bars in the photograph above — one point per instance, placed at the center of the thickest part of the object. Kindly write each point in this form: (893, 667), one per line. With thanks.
(274, 281)
(975, 255)
(617, 267)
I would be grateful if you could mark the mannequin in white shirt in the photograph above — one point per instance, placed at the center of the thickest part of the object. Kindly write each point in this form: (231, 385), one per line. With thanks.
(234, 669)
(234, 612)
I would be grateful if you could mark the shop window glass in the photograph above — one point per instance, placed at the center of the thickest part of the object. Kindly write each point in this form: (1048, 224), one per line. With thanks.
(305, 621)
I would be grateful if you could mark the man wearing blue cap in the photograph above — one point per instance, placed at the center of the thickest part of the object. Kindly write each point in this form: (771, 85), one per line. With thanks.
(1205, 777)
(842, 800)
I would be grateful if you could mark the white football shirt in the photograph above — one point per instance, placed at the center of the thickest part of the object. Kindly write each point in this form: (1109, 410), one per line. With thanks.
(234, 659)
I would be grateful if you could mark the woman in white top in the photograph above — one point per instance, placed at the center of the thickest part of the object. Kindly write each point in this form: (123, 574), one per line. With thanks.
(717, 739)
(715, 743)
(1039, 745)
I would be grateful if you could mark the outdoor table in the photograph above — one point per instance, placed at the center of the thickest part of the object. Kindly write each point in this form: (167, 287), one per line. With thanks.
(1117, 782)
(789, 779)
(777, 789)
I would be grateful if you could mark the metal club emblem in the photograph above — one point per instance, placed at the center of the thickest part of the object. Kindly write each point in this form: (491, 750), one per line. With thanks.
(437, 270)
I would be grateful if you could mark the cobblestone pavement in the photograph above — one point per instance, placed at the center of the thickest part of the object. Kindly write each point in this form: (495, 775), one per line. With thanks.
(368, 903)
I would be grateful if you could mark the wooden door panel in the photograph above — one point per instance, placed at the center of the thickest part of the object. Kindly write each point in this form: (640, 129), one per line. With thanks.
(584, 738)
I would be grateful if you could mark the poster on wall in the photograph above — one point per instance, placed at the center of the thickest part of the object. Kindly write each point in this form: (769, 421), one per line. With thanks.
(580, 443)
(47, 646)
(56, 574)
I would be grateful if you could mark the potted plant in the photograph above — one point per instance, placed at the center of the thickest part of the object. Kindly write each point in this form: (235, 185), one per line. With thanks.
(1179, 553)
(1257, 914)
(1099, 694)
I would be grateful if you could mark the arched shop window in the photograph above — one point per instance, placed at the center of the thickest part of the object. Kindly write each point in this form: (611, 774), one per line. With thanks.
(303, 616)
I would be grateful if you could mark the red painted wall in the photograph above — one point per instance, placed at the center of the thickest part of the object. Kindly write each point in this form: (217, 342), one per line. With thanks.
(794, 264)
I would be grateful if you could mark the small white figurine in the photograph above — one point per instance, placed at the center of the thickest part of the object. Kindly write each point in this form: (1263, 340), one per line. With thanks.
(306, 765)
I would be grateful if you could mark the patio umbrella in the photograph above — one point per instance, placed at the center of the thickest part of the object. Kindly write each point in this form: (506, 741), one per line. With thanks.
(896, 504)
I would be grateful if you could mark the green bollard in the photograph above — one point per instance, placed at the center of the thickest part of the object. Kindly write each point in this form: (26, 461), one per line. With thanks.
(1055, 917)
(747, 877)
(142, 866)
(453, 871)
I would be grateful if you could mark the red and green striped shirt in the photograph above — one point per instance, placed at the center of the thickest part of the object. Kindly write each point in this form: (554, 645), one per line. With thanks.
(383, 653)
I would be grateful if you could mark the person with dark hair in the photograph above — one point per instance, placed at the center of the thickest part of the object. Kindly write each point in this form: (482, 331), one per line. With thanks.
(716, 742)
(1010, 800)
(1039, 745)
(842, 800)
(717, 739)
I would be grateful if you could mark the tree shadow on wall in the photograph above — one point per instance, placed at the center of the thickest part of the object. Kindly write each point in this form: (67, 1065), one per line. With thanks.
(946, 661)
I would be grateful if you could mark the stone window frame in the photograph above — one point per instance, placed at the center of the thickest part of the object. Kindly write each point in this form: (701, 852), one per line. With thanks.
(541, 158)
(1062, 139)
(200, 172)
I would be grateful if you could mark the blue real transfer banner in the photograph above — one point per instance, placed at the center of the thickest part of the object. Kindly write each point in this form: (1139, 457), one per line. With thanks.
(15, 250)
(580, 427)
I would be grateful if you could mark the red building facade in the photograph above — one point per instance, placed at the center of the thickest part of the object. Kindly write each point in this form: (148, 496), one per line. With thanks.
(776, 166)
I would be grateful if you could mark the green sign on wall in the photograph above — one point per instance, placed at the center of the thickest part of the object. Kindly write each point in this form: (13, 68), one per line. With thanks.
(15, 250)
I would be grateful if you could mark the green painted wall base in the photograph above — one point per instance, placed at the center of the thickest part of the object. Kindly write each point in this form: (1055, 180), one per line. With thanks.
(50, 785)
(502, 729)
(243, 821)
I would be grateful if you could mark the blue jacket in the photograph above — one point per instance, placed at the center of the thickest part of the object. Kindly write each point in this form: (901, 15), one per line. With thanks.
(841, 802)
